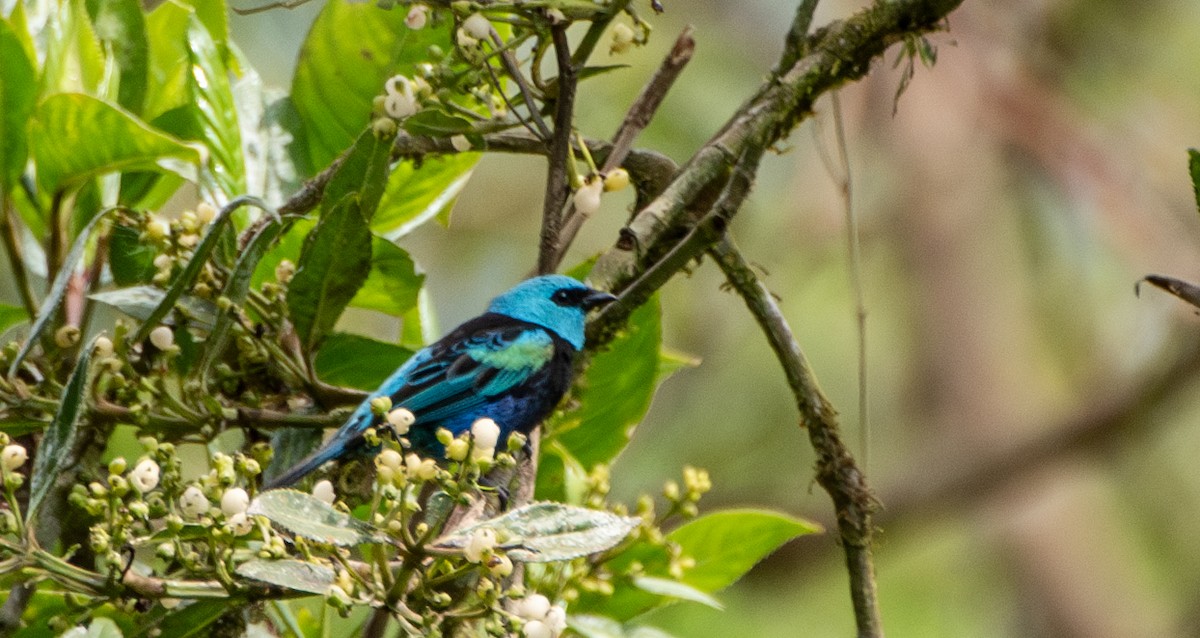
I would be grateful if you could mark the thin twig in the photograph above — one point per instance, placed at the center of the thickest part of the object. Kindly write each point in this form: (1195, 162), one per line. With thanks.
(836, 470)
(795, 43)
(514, 71)
(557, 188)
(854, 265)
(636, 119)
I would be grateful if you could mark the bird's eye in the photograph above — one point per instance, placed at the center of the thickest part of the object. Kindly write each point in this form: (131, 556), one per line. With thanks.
(562, 297)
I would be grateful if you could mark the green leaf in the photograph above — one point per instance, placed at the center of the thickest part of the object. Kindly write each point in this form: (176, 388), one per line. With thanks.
(74, 60)
(1194, 169)
(75, 137)
(335, 85)
(11, 316)
(17, 95)
(308, 516)
(393, 284)
(269, 130)
(358, 362)
(364, 170)
(544, 532)
(334, 263)
(140, 302)
(417, 195)
(437, 123)
(56, 451)
(214, 110)
(675, 589)
(192, 270)
(289, 573)
(131, 260)
(615, 392)
(726, 544)
(58, 290)
(190, 619)
(170, 62)
(121, 27)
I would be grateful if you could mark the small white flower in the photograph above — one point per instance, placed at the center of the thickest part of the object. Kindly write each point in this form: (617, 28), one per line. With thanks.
(460, 143)
(401, 419)
(103, 347)
(162, 337)
(482, 540)
(486, 433)
(556, 619)
(390, 458)
(235, 500)
(533, 607)
(323, 490)
(416, 17)
(587, 198)
(536, 629)
(400, 101)
(193, 502)
(622, 39)
(240, 524)
(205, 212)
(13, 456)
(477, 26)
(145, 475)
(158, 227)
(464, 39)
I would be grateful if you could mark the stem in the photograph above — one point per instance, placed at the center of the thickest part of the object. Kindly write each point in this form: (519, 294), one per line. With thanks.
(557, 189)
(16, 260)
(836, 470)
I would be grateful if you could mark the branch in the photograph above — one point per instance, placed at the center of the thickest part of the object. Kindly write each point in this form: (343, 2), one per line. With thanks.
(836, 470)
(557, 189)
(636, 119)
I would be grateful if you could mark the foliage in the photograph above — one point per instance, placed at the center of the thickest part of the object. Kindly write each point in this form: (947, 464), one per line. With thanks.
(231, 340)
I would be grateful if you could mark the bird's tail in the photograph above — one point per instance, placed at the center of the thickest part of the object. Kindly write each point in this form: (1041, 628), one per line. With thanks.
(331, 450)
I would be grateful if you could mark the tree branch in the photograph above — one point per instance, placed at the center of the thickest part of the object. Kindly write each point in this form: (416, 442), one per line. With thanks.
(557, 188)
(836, 470)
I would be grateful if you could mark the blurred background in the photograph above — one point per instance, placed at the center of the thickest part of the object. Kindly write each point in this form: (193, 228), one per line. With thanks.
(1033, 424)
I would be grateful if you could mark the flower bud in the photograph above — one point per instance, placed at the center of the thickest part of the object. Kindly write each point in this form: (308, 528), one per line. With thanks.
(457, 450)
(145, 475)
(66, 336)
(482, 540)
(13, 456)
(444, 436)
(622, 39)
(205, 212)
(401, 419)
(381, 405)
(389, 458)
(477, 26)
(615, 180)
(556, 619)
(157, 227)
(500, 566)
(193, 502)
(533, 607)
(103, 347)
(485, 432)
(240, 524)
(460, 143)
(284, 271)
(417, 16)
(323, 490)
(162, 337)
(536, 629)
(587, 197)
(235, 500)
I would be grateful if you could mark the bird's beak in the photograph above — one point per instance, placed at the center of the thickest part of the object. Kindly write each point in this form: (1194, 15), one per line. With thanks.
(596, 299)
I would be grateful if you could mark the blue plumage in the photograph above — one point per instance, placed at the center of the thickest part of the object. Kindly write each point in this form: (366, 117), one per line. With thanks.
(512, 364)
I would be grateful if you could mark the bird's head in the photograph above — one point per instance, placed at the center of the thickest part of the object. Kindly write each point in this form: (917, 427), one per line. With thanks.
(555, 302)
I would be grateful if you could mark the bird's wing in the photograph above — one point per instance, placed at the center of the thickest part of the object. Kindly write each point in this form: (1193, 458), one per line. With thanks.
(459, 375)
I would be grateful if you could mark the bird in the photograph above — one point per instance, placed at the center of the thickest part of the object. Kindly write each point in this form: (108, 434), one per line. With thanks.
(512, 364)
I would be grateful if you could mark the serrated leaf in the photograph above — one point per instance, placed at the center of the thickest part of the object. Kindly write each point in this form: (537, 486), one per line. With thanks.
(358, 362)
(393, 284)
(186, 278)
(288, 573)
(417, 195)
(727, 544)
(140, 303)
(64, 135)
(308, 516)
(58, 290)
(334, 263)
(56, 449)
(18, 92)
(74, 60)
(169, 61)
(675, 589)
(545, 532)
(334, 85)
(130, 260)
